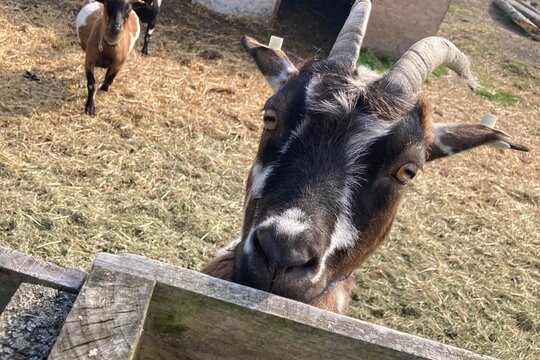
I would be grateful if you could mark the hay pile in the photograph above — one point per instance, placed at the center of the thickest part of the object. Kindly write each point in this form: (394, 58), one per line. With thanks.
(160, 170)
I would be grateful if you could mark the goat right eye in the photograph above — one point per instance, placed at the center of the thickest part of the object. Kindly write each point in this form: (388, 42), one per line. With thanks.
(406, 173)
(270, 120)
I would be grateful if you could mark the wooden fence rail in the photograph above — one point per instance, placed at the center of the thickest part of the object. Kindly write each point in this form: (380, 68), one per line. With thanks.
(131, 307)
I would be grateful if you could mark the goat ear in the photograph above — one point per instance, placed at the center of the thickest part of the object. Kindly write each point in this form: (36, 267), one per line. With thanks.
(273, 64)
(449, 139)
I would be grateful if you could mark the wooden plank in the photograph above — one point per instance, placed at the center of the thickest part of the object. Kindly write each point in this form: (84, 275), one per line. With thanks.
(16, 267)
(107, 318)
(194, 316)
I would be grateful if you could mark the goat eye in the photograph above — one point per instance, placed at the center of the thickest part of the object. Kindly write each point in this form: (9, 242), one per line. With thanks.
(270, 120)
(406, 173)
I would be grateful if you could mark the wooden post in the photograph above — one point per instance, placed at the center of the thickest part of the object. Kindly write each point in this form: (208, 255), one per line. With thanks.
(107, 318)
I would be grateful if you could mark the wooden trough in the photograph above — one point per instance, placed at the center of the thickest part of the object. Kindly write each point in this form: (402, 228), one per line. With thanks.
(130, 307)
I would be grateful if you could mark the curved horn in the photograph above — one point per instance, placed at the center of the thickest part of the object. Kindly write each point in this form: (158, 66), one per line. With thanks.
(412, 69)
(349, 40)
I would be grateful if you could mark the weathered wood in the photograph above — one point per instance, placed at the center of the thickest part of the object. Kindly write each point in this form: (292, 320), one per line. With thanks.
(517, 17)
(7, 289)
(194, 316)
(529, 6)
(107, 319)
(533, 16)
(32, 320)
(16, 268)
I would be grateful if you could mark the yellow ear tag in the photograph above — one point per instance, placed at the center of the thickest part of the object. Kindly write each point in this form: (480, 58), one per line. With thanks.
(275, 42)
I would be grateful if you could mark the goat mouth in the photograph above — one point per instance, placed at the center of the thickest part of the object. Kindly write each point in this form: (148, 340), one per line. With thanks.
(115, 31)
(272, 280)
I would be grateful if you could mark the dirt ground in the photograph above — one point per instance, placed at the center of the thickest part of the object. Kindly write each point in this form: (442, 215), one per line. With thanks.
(160, 170)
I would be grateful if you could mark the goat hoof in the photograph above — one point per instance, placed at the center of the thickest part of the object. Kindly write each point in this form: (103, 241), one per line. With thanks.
(144, 52)
(89, 110)
(104, 88)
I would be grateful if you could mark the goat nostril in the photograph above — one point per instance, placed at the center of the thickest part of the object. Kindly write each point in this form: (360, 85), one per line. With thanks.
(311, 263)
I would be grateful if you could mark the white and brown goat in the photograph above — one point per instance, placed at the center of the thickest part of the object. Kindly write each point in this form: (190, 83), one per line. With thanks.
(107, 31)
(339, 146)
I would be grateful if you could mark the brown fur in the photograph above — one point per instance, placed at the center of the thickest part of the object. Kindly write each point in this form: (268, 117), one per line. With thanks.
(93, 37)
(428, 123)
(221, 267)
(95, 29)
(337, 299)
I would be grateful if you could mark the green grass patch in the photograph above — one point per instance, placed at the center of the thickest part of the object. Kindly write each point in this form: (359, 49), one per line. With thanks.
(519, 68)
(452, 9)
(380, 65)
(501, 96)
(437, 73)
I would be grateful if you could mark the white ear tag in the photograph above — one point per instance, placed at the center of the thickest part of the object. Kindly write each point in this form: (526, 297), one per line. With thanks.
(489, 121)
(275, 42)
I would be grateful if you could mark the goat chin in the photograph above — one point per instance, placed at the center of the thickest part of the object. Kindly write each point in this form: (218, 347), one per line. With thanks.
(335, 300)
(221, 267)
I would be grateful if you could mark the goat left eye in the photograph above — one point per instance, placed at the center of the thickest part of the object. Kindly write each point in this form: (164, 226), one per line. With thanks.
(270, 120)
(406, 173)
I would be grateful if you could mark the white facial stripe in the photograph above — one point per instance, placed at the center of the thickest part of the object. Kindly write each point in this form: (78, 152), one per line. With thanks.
(248, 244)
(374, 130)
(295, 134)
(159, 3)
(86, 11)
(290, 223)
(345, 234)
(259, 174)
(343, 237)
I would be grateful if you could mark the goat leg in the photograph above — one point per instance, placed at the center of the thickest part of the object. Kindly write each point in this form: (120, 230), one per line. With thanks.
(109, 77)
(149, 30)
(89, 108)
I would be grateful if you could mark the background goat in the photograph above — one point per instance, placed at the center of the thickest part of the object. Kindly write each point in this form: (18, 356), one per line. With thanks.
(107, 31)
(339, 146)
(148, 11)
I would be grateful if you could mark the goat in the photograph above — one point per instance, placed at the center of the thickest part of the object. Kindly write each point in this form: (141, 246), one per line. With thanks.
(107, 31)
(339, 146)
(148, 11)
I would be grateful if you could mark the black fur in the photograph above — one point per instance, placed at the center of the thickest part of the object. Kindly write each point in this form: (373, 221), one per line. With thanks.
(90, 85)
(314, 172)
(147, 13)
(117, 12)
